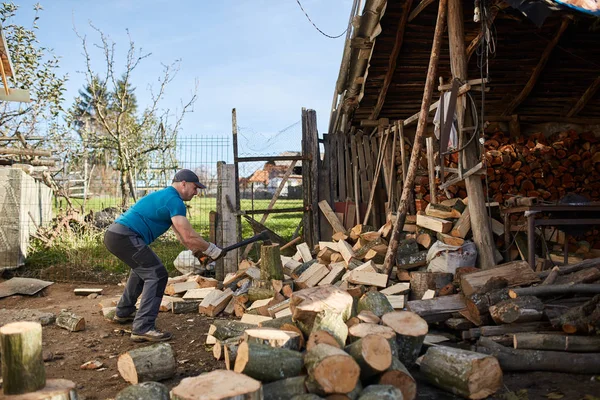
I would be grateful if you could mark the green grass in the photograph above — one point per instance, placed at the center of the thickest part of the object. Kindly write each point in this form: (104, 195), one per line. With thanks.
(79, 254)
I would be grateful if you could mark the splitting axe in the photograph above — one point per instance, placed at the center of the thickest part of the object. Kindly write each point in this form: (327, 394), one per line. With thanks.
(264, 236)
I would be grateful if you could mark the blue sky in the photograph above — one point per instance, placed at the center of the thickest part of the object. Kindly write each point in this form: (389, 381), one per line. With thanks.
(261, 56)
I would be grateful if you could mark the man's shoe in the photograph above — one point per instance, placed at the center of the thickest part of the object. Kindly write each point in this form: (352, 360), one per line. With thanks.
(153, 335)
(124, 320)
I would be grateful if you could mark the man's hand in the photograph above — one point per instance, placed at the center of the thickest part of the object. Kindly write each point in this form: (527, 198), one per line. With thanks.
(213, 253)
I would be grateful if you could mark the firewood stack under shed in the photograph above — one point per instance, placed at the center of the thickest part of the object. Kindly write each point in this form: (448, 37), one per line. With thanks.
(327, 322)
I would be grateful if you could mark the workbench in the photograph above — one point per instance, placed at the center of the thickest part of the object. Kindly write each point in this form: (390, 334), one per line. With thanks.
(534, 215)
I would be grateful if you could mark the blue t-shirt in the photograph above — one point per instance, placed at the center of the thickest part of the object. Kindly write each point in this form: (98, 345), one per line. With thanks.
(151, 216)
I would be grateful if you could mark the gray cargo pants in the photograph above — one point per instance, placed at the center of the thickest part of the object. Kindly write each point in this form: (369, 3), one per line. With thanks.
(148, 276)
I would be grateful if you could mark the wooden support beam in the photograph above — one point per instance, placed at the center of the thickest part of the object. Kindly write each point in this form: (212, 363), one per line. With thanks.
(390, 255)
(420, 7)
(387, 80)
(585, 98)
(415, 117)
(539, 68)
(482, 235)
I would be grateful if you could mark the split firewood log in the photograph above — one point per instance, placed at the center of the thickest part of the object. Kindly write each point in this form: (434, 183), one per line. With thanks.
(218, 385)
(521, 309)
(224, 329)
(306, 304)
(151, 363)
(466, 373)
(70, 321)
(267, 363)
(327, 326)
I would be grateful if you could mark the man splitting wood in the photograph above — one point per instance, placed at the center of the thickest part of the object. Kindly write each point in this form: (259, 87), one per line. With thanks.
(130, 235)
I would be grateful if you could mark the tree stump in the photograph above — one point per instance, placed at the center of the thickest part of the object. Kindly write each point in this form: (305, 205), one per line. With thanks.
(69, 321)
(55, 389)
(398, 376)
(466, 373)
(270, 263)
(145, 390)
(285, 389)
(273, 337)
(267, 363)
(381, 392)
(218, 385)
(375, 302)
(331, 370)
(372, 353)
(151, 363)
(410, 333)
(22, 362)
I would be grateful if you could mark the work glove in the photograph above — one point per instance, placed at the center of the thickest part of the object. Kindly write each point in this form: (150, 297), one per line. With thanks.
(213, 252)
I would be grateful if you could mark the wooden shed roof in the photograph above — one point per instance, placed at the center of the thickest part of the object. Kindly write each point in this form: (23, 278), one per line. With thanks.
(572, 68)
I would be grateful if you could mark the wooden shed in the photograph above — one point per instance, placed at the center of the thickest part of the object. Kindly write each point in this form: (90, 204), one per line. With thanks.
(523, 89)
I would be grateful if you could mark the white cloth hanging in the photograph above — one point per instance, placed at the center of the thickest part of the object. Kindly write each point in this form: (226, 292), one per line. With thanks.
(453, 139)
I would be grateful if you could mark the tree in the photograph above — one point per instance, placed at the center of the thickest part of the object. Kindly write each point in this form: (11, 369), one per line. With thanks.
(36, 69)
(136, 138)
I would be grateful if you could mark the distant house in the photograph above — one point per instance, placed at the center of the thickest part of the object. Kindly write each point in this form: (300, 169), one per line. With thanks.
(270, 176)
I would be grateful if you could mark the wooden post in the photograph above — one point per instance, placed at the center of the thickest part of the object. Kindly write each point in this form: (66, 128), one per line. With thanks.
(390, 256)
(310, 174)
(482, 235)
(431, 168)
(226, 221)
(325, 188)
(237, 179)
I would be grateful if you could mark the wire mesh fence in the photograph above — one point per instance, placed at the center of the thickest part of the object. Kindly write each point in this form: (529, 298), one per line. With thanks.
(57, 234)
(261, 180)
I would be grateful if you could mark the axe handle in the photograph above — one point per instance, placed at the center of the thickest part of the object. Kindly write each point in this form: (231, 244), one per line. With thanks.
(261, 236)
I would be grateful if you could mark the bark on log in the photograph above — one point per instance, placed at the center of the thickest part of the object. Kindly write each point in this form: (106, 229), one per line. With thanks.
(479, 304)
(333, 324)
(267, 363)
(276, 322)
(410, 333)
(545, 341)
(372, 353)
(151, 363)
(516, 273)
(70, 321)
(551, 276)
(550, 290)
(22, 362)
(218, 385)
(375, 302)
(420, 282)
(55, 389)
(224, 329)
(398, 376)
(331, 370)
(539, 360)
(593, 262)
(258, 293)
(521, 309)
(273, 337)
(306, 304)
(146, 390)
(381, 392)
(185, 307)
(270, 263)
(285, 389)
(466, 373)
(582, 319)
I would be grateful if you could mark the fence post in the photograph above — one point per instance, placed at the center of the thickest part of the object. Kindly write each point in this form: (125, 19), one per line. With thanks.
(226, 219)
(310, 174)
(237, 176)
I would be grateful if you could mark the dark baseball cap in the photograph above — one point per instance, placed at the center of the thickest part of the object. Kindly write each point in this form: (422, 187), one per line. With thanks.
(188, 176)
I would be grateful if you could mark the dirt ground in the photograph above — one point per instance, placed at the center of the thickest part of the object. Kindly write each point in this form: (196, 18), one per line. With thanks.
(104, 341)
